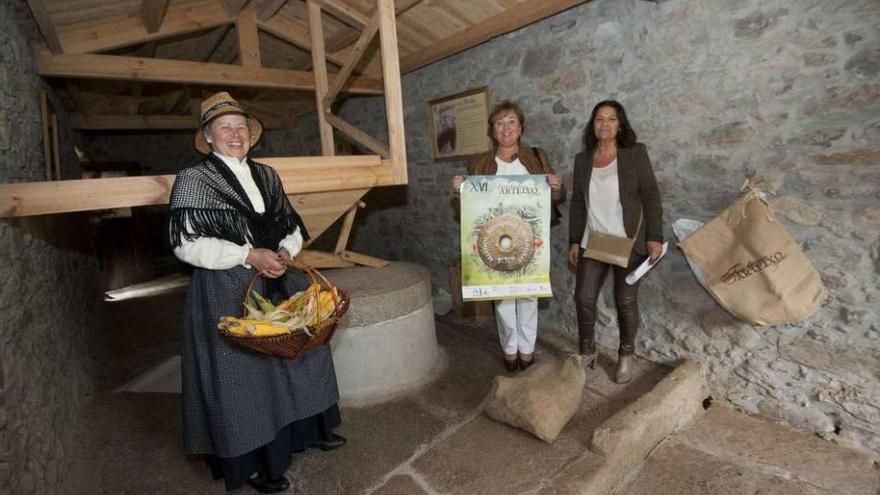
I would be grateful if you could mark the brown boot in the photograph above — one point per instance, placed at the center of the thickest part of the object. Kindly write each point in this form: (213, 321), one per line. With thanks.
(623, 373)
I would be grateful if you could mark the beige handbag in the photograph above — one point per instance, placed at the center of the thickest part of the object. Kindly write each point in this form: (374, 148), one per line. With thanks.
(610, 249)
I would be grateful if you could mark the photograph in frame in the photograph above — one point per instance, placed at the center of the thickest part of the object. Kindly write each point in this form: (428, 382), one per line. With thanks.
(457, 125)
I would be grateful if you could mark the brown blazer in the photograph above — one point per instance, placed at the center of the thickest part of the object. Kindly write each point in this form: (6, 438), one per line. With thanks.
(638, 192)
(485, 164)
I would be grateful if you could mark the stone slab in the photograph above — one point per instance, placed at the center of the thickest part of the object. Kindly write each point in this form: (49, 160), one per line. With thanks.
(381, 294)
(749, 441)
(627, 438)
(400, 485)
(485, 456)
(679, 470)
(380, 438)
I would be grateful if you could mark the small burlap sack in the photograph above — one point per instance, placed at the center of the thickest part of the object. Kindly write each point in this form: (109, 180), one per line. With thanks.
(755, 270)
(540, 400)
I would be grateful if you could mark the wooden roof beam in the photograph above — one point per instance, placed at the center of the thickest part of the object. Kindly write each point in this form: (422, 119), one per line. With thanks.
(345, 13)
(248, 37)
(47, 27)
(132, 122)
(511, 20)
(268, 8)
(296, 35)
(118, 32)
(152, 13)
(353, 58)
(341, 42)
(88, 66)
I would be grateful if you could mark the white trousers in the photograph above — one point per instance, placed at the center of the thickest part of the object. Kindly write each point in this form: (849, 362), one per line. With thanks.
(517, 324)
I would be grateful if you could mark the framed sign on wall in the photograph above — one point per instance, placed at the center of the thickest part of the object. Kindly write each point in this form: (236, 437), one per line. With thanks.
(457, 125)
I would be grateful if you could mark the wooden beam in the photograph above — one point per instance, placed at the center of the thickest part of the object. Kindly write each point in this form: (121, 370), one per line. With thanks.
(341, 42)
(296, 35)
(233, 7)
(132, 122)
(363, 259)
(320, 259)
(117, 32)
(268, 8)
(510, 20)
(152, 13)
(345, 230)
(354, 57)
(393, 91)
(248, 37)
(298, 175)
(358, 136)
(88, 66)
(345, 13)
(47, 27)
(319, 64)
(211, 43)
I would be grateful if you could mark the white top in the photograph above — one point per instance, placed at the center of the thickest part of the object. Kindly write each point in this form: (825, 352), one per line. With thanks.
(219, 254)
(604, 212)
(515, 167)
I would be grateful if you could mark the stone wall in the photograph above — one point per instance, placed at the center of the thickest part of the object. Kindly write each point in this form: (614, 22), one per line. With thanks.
(48, 289)
(719, 90)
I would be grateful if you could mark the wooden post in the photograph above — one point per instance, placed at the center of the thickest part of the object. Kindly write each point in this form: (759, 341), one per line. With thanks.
(347, 223)
(393, 93)
(248, 36)
(319, 62)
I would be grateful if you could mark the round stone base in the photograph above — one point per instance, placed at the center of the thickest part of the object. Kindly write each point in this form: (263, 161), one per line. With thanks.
(385, 345)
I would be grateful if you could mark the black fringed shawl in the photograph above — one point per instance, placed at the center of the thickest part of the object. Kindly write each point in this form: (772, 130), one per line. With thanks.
(208, 201)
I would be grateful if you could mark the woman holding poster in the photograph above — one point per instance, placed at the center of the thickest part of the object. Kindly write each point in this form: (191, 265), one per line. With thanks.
(616, 221)
(517, 318)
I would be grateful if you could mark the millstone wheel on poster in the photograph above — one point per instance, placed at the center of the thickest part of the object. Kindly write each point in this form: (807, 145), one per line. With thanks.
(506, 243)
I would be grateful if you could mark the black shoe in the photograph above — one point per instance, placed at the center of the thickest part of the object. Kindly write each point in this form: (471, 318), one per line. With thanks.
(264, 485)
(510, 365)
(333, 443)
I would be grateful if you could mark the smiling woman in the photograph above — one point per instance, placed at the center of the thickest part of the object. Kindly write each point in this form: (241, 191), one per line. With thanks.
(231, 220)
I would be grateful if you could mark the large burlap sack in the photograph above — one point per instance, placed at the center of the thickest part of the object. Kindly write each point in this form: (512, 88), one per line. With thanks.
(752, 267)
(540, 400)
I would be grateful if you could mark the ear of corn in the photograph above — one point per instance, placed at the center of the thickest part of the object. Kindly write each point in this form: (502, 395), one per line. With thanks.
(300, 311)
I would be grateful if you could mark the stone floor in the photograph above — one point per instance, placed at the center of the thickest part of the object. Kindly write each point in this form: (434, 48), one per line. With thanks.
(437, 440)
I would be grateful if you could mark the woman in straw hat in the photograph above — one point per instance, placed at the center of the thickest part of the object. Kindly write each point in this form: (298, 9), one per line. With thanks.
(231, 219)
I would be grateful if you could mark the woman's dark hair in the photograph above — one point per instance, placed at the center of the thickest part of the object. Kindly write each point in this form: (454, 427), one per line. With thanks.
(626, 136)
(501, 109)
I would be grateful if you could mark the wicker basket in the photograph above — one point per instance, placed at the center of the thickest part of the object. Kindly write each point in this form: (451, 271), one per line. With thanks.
(291, 345)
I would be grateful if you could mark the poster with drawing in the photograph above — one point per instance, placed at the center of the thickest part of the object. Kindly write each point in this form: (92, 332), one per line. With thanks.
(505, 236)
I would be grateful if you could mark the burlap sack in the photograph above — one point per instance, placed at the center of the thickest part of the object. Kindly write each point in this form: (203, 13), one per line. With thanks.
(540, 400)
(752, 266)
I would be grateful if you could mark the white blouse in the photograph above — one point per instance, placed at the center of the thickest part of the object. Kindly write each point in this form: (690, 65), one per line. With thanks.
(515, 167)
(219, 254)
(605, 211)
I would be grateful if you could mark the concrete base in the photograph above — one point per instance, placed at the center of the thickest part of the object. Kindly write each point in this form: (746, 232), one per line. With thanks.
(386, 344)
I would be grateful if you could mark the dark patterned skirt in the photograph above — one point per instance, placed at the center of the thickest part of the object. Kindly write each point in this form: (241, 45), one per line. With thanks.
(238, 404)
(273, 459)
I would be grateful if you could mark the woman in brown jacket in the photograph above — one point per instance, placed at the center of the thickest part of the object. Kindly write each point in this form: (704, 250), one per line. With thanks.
(614, 193)
(517, 319)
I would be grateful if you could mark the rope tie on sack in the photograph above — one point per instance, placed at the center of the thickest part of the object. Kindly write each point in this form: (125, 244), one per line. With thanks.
(751, 191)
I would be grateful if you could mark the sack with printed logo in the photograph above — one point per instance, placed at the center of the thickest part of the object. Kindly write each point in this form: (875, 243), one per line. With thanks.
(755, 270)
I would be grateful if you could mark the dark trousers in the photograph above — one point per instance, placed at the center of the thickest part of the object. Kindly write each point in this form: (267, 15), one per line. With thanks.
(588, 284)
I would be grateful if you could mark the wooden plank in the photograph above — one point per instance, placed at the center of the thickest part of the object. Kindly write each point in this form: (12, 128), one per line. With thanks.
(317, 174)
(248, 37)
(132, 122)
(319, 64)
(355, 55)
(358, 136)
(127, 30)
(320, 210)
(320, 259)
(345, 13)
(47, 27)
(233, 7)
(88, 66)
(309, 162)
(152, 13)
(268, 8)
(345, 230)
(393, 91)
(511, 20)
(363, 259)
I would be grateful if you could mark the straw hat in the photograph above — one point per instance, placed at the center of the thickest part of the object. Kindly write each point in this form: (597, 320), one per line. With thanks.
(217, 105)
